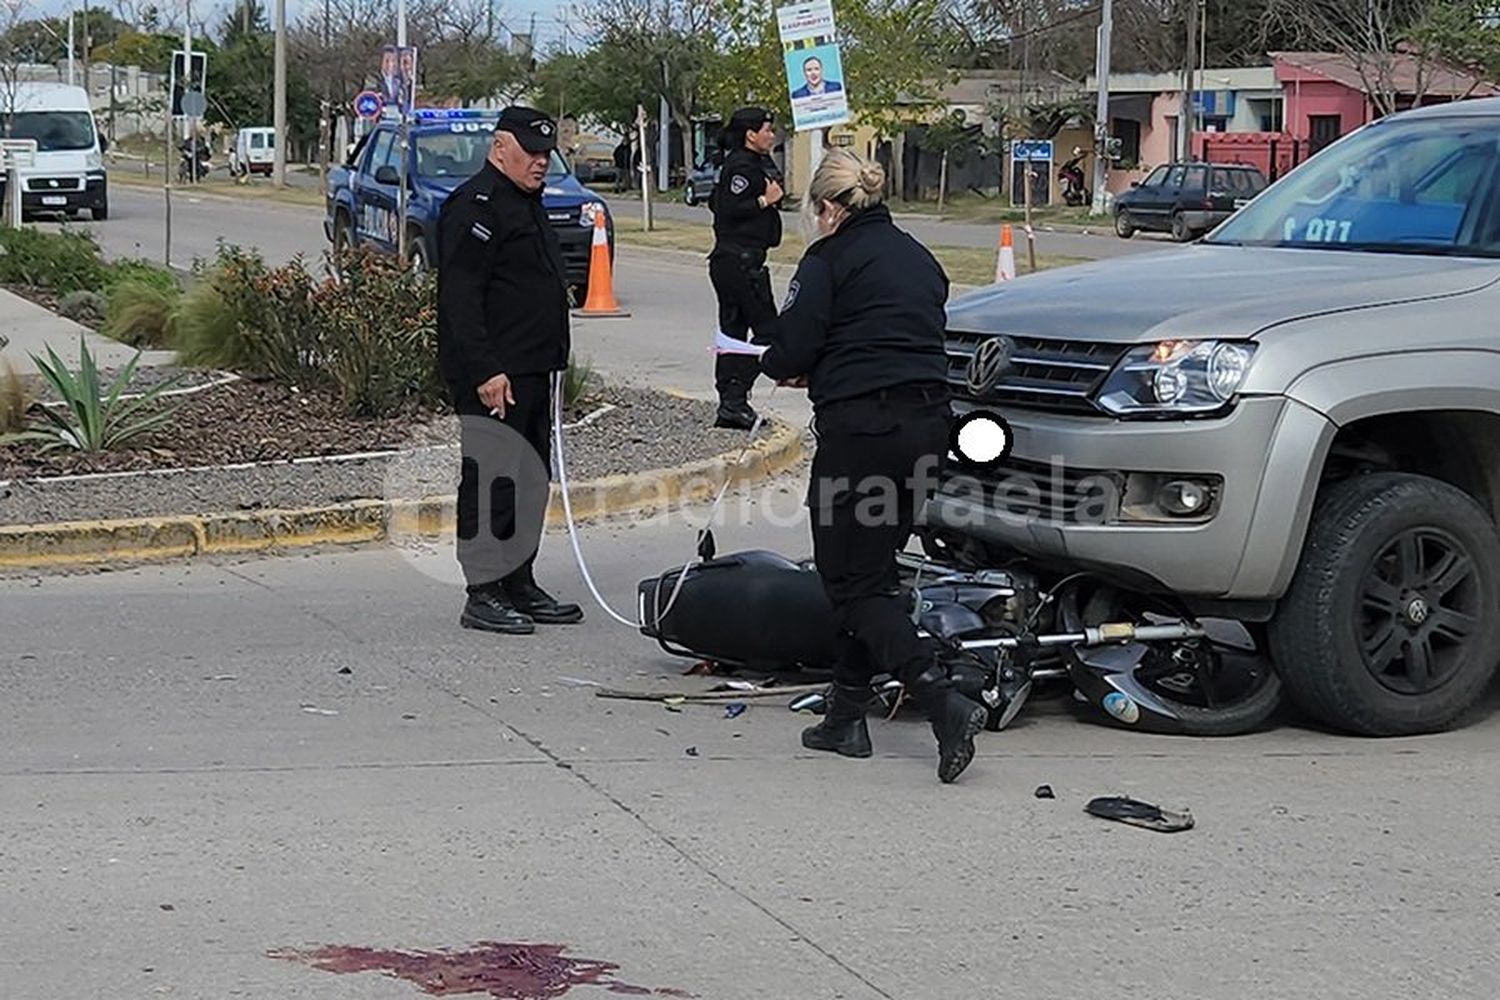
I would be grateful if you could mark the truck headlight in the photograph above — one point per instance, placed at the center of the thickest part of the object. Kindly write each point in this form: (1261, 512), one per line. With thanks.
(589, 212)
(93, 161)
(1176, 377)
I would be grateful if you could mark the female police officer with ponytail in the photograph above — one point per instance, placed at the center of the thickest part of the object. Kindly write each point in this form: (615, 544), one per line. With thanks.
(862, 330)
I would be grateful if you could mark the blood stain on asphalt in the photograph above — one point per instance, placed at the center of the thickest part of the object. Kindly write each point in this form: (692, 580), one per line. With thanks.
(503, 971)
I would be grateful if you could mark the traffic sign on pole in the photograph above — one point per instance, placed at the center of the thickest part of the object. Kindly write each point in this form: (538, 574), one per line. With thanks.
(369, 104)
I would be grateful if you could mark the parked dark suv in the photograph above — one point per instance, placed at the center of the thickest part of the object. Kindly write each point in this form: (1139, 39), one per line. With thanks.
(1186, 199)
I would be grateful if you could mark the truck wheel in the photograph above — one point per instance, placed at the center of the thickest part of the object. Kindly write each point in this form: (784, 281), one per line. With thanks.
(1388, 628)
(1124, 226)
(417, 255)
(101, 211)
(343, 233)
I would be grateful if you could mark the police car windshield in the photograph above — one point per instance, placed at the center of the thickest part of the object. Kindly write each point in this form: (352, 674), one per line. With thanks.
(460, 154)
(1418, 187)
(54, 130)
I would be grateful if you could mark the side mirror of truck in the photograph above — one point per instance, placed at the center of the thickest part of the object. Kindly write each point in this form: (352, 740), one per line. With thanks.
(387, 175)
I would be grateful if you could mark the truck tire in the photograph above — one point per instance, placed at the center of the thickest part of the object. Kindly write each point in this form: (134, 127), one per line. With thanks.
(1124, 225)
(1388, 628)
(416, 254)
(101, 211)
(343, 232)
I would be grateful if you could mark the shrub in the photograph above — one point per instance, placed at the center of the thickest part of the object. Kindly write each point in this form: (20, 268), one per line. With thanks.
(205, 331)
(93, 419)
(88, 308)
(252, 318)
(14, 399)
(63, 262)
(140, 272)
(377, 330)
(579, 382)
(141, 313)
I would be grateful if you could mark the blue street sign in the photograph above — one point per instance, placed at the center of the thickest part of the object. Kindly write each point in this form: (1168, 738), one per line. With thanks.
(368, 104)
(1031, 150)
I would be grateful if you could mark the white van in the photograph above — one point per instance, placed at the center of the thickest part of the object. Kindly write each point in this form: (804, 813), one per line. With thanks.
(254, 151)
(68, 173)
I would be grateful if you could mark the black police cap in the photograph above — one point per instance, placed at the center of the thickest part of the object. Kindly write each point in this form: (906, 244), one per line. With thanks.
(533, 129)
(749, 119)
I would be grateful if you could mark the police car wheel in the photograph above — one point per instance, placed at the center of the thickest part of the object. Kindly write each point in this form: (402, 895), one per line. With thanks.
(417, 256)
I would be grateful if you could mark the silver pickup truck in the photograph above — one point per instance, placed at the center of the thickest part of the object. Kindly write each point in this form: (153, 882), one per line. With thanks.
(1293, 423)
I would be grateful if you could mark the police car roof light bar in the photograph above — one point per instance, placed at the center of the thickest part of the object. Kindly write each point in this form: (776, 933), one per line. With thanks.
(454, 114)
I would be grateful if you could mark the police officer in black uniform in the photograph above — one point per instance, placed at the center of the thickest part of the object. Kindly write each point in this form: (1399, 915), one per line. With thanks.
(747, 224)
(862, 330)
(502, 333)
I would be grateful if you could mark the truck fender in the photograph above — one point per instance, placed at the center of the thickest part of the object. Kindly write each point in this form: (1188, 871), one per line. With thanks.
(1401, 382)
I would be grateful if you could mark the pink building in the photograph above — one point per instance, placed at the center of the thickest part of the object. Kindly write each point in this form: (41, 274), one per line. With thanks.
(1326, 95)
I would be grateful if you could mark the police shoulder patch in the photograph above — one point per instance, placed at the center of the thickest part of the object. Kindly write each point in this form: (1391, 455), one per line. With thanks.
(480, 232)
(738, 184)
(791, 294)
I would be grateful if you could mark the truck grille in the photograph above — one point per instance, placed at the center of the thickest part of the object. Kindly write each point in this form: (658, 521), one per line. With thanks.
(1057, 375)
(54, 184)
(1045, 492)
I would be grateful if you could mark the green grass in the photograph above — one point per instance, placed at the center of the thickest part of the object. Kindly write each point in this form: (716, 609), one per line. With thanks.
(253, 190)
(965, 265)
(969, 207)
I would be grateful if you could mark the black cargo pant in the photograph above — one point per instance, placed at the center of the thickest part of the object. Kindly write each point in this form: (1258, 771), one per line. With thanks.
(742, 285)
(878, 459)
(505, 546)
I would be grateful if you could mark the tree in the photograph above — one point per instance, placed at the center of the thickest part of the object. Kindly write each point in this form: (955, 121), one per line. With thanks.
(1372, 37)
(151, 52)
(1464, 34)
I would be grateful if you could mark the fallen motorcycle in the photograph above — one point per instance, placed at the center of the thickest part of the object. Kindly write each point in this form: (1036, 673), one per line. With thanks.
(1138, 660)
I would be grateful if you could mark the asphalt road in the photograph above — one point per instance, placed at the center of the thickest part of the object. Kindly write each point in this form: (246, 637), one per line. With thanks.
(204, 765)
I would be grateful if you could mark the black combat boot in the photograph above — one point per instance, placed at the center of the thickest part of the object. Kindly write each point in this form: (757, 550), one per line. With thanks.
(489, 609)
(531, 600)
(843, 729)
(734, 377)
(955, 719)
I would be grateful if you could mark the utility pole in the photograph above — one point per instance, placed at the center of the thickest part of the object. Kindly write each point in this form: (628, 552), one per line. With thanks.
(1185, 117)
(664, 136)
(405, 136)
(72, 76)
(189, 124)
(88, 39)
(1101, 109)
(278, 163)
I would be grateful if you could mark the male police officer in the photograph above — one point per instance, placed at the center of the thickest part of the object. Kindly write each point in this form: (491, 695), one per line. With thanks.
(747, 223)
(502, 332)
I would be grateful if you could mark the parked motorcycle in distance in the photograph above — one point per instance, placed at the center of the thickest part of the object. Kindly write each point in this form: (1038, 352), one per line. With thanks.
(1074, 187)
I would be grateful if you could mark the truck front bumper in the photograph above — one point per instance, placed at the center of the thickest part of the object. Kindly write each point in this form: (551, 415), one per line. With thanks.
(1078, 492)
(62, 194)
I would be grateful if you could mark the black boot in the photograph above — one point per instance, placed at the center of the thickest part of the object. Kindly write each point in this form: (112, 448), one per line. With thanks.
(536, 603)
(734, 376)
(956, 720)
(843, 729)
(490, 610)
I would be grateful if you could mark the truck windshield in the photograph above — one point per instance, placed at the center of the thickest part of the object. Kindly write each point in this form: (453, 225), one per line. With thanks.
(1420, 187)
(54, 130)
(461, 154)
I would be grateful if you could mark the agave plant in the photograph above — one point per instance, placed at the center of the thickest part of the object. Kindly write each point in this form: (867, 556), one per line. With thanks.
(92, 420)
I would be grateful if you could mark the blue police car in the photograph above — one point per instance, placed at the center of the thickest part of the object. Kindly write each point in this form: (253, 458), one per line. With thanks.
(447, 147)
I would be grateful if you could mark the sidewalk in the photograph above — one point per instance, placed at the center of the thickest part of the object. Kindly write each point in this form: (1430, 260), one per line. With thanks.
(30, 329)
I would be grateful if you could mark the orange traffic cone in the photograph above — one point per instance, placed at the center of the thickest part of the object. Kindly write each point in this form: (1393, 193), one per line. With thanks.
(1005, 267)
(601, 297)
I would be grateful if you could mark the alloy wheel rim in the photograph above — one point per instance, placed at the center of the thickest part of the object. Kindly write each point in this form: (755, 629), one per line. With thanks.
(1418, 611)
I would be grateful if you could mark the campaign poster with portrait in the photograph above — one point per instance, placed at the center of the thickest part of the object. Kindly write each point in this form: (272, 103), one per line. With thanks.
(814, 68)
(398, 78)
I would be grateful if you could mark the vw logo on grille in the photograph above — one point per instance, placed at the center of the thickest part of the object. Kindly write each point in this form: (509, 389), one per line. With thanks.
(991, 360)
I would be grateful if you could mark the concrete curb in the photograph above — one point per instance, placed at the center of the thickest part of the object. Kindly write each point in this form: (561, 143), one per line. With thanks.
(76, 544)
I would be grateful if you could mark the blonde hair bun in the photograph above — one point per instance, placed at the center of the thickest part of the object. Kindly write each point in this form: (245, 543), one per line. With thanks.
(857, 183)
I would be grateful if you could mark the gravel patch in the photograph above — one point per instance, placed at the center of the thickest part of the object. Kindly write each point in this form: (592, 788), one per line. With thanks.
(637, 430)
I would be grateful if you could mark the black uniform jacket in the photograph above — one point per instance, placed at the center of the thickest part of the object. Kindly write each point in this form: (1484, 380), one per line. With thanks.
(866, 310)
(502, 285)
(739, 221)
